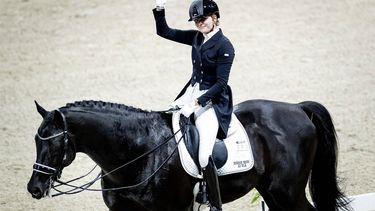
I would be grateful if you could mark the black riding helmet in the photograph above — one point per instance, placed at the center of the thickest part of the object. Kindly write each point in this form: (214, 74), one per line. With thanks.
(201, 8)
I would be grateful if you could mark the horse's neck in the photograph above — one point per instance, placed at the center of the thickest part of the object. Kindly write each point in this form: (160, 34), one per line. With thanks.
(111, 139)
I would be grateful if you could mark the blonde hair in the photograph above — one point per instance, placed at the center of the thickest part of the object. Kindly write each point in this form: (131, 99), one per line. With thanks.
(215, 19)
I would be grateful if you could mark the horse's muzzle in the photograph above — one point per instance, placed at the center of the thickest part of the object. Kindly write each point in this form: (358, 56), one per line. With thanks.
(36, 192)
(37, 189)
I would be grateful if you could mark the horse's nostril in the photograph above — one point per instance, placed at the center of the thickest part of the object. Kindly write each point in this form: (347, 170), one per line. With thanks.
(36, 193)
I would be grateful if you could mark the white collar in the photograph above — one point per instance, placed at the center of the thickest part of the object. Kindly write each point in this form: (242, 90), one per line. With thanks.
(210, 34)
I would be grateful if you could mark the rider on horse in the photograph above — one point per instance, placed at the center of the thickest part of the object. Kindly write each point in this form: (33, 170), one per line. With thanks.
(206, 94)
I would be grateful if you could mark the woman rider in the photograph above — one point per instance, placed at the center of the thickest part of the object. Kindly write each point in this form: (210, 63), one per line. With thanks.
(206, 94)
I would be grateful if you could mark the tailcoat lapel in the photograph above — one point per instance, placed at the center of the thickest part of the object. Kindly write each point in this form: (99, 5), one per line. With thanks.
(211, 42)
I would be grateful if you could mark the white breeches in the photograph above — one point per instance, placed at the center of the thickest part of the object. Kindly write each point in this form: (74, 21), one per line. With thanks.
(205, 121)
(207, 125)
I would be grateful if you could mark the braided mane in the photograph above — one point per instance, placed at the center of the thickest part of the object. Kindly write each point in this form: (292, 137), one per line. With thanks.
(100, 105)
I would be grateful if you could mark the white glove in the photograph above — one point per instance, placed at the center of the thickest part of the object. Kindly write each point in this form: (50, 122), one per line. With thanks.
(160, 4)
(188, 109)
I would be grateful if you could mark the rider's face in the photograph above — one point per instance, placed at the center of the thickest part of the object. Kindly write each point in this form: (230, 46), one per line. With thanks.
(204, 24)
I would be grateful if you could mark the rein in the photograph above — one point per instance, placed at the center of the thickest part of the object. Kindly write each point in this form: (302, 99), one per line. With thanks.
(78, 189)
(55, 173)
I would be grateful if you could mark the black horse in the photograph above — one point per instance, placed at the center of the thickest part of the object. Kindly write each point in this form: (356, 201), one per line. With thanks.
(290, 142)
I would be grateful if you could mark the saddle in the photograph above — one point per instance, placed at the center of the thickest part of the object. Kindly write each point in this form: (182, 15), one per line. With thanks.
(231, 155)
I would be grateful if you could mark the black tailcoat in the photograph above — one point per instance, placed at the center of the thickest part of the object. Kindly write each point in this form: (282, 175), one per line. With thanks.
(211, 62)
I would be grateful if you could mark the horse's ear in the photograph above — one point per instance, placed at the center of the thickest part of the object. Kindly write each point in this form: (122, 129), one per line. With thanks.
(40, 109)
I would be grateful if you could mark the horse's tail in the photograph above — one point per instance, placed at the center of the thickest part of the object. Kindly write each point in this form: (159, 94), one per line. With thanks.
(324, 188)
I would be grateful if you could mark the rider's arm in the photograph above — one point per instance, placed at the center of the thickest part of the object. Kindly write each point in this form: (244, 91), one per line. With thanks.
(163, 30)
(224, 64)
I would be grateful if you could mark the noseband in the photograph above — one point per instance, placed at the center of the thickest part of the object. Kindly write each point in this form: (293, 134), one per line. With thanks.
(48, 170)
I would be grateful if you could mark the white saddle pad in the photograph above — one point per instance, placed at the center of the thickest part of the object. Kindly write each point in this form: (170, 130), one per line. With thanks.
(240, 155)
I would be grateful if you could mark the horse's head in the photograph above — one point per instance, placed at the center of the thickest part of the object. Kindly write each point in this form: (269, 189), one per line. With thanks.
(54, 151)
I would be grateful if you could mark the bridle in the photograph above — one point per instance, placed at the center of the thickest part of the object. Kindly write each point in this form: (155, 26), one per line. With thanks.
(55, 173)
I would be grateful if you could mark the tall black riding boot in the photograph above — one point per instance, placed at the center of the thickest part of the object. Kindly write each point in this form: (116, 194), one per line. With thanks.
(212, 181)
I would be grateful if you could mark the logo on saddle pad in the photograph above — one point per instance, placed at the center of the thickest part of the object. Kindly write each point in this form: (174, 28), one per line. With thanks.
(231, 155)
